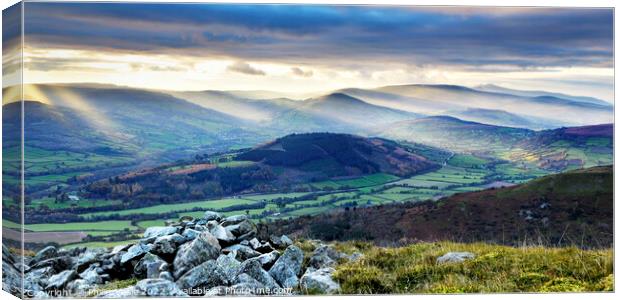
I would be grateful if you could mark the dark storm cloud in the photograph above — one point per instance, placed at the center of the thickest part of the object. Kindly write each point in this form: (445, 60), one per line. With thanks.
(333, 34)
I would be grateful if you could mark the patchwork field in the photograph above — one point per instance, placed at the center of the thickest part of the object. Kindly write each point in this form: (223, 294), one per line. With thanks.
(460, 173)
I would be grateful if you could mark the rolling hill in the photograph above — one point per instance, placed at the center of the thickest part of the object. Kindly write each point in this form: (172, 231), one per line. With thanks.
(441, 99)
(338, 155)
(572, 208)
(498, 89)
(554, 149)
(241, 105)
(501, 118)
(455, 134)
(143, 121)
(338, 112)
(282, 165)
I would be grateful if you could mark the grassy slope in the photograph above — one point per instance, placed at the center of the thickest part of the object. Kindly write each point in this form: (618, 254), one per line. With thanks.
(413, 269)
(573, 208)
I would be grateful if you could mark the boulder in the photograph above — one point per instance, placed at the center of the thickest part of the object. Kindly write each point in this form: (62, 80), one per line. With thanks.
(135, 252)
(245, 285)
(232, 220)
(455, 257)
(320, 281)
(190, 234)
(38, 277)
(325, 256)
(229, 265)
(166, 275)
(243, 230)
(92, 275)
(241, 252)
(205, 276)
(268, 259)
(254, 269)
(11, 277)
(46, 253)
(148, 266)
(203, 248)
(280, 242)
(157, 231)
(87, 258)
(200, 227)
(265, 248)
(287, 268)
(120, 248)
(61, 279)
(254, 243)
(159, 288)
(166, 246)
(59, 263)
(221, 233)
(80, 288)
(212, 216)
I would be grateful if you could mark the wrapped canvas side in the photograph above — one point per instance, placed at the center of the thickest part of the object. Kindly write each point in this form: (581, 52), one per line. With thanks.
(12, 151)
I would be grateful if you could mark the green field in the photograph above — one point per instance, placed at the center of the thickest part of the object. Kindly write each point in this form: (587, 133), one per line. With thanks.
(462, 173)
(52, 204)
(467, 161)
(166, 208)
(364, 181)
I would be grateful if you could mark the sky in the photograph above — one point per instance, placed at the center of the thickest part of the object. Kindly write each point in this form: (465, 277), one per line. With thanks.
(305, 49)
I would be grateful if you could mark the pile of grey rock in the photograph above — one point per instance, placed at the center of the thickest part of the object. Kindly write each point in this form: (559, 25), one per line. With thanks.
(209, 256)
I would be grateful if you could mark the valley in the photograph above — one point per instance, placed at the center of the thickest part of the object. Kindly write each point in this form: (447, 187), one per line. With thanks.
(105, 179)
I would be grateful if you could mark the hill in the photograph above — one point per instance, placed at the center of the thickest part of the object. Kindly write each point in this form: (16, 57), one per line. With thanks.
(338, 112)
(572, 208)
(503, 90)
(500, 117)
(338, 155)
(444, 99)
(286, 164)
(554, 149)
(86, 128)
(241, 105)
(456, 134)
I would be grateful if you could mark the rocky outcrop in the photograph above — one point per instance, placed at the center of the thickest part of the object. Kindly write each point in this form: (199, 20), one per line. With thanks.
(204, 257)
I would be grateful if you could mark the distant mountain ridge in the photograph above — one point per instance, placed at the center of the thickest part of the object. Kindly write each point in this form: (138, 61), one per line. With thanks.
(496, 88)
(442, 99)
(84, 117)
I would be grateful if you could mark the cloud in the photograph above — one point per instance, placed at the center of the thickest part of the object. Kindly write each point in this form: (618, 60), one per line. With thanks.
(333, 34)
(301, 73)
(245, 68)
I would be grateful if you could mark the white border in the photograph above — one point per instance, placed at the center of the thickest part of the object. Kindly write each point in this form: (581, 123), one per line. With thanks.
(543, 3)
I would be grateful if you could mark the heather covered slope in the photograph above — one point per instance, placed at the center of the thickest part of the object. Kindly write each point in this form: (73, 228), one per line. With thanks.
(339, 155)
(572, 208)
